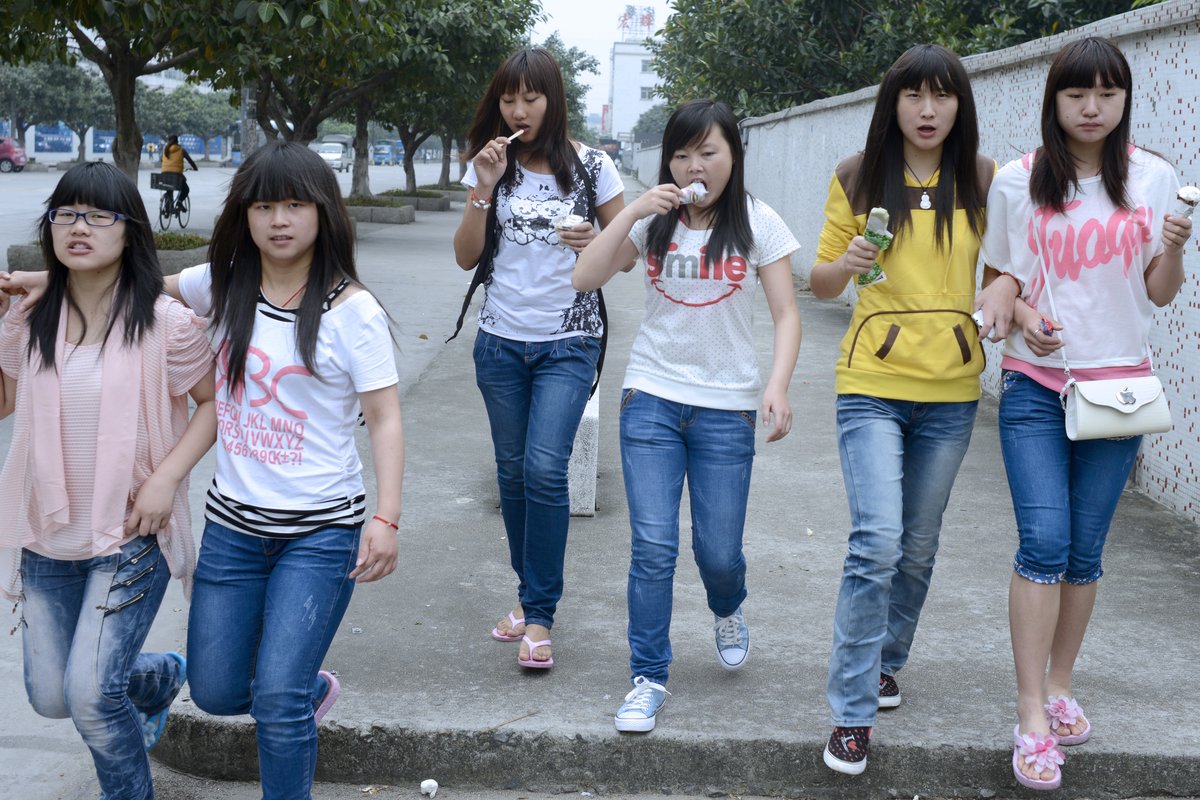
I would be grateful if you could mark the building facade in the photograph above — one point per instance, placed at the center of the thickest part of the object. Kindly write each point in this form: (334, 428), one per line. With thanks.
(631, 88)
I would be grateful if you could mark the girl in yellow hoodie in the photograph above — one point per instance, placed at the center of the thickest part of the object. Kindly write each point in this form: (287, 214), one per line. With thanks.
(908, 375)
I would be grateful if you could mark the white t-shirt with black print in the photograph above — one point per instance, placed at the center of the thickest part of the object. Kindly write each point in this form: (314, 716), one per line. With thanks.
(287, 463)
(696, 342)
(1097, 254)
(529, 296)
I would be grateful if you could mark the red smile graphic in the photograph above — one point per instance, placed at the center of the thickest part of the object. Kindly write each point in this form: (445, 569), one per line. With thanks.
(657, 284)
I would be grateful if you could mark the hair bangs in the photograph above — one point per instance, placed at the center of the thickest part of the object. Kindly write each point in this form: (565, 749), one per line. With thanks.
(284, 180)
(95, 184)
(927, 66)
(1089, 61)
(689, 126)
(532, 70)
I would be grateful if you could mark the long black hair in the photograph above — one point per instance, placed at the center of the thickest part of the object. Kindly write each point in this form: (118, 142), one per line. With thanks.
(533, 70)
(274, 172)
(139, 280)
(880, 180)
(1080, 65)
(731, 233)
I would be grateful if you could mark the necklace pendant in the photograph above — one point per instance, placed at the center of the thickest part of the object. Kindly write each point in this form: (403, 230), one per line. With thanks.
(925, 201)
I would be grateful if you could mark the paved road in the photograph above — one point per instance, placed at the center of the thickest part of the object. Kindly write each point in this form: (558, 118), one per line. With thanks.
(23, 195)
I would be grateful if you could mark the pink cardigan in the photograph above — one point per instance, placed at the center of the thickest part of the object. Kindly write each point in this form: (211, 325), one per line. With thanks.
(174, 354)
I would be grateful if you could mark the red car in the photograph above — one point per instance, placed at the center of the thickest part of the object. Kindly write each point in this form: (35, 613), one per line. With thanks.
(12, 157)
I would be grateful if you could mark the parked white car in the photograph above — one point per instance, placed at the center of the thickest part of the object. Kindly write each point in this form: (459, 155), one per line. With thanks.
(335, 156)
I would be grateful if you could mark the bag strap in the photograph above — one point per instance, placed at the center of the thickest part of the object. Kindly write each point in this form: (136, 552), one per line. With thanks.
(1045, 270)
(491, 240)
(483, 270)
(590, 191)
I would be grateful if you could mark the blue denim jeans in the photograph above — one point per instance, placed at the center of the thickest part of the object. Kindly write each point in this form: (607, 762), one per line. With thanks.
(899, 462)
(535, 393)
(661, 443)
(264, 612)
(84, 626)
(1064, 493)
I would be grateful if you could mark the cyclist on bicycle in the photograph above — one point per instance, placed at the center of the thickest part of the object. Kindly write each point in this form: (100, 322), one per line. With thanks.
(172, 161)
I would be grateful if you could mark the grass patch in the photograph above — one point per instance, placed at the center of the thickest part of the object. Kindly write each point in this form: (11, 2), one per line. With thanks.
(402, 193)
(453, 187)
(172, 240)
(376, 201)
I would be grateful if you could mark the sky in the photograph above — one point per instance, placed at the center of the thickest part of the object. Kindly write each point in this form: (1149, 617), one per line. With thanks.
(593, 26)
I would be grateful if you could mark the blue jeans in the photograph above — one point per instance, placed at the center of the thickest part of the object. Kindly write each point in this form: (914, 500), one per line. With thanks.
(899, 462)
(264, 612)
(84, 626)
(535, 393)
(1064, 493)
(661, 442)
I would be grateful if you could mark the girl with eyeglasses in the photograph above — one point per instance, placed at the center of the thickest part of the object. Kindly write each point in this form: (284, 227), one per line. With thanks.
(94, 489)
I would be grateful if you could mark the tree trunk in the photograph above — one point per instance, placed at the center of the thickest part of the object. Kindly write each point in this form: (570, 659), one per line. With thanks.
(81, 133)
(127, 147)
(410, 172)
(444, 177)
(360, 184)
(462, 161)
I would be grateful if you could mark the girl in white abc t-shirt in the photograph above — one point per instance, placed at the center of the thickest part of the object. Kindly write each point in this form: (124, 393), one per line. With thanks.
(301, 347)
(1093, 215)
(692, 385)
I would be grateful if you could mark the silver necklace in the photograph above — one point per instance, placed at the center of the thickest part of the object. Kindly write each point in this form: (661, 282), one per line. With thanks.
(926, 203)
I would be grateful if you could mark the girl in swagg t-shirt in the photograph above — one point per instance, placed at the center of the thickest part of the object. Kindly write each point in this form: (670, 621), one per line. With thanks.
(1087, 213)
(692, 387)
(301, 348)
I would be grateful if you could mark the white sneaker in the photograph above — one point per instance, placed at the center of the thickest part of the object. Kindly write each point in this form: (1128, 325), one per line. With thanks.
(733, 640)
(641, 706)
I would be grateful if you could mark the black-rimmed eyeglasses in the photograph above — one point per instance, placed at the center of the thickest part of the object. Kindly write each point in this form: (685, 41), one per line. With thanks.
(97, 219)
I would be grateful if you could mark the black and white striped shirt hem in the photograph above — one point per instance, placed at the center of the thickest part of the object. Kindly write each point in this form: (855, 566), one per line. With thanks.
(283, 523)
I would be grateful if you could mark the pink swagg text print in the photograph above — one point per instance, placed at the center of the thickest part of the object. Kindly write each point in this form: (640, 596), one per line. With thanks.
(274, 435)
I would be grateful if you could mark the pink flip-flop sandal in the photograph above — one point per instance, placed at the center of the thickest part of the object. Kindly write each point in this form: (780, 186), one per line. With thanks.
(1040, 750)
(509, 637)
(1063, 710)
(530, 663)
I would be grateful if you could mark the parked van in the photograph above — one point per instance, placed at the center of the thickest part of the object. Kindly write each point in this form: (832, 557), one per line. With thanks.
(12, 157)
(335, 156)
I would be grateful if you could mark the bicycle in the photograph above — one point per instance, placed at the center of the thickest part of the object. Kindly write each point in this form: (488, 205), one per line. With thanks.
(168, 183)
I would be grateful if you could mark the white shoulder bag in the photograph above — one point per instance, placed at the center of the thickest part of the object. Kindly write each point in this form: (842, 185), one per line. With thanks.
(1113, 408)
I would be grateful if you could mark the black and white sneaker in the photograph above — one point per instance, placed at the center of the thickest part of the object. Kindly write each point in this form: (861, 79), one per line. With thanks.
(846, 750)
(889, 691)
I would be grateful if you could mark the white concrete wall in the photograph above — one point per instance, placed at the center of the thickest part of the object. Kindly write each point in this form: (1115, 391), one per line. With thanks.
(790, 156)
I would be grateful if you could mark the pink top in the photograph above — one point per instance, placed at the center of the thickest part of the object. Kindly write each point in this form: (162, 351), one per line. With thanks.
(134, 434)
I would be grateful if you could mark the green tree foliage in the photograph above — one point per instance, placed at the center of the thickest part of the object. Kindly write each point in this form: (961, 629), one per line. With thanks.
(765, 55)
(574, 63)
(20, 97)
(310, 61)
(124, 38)
(649, 128)
(474, 39)
(185, 110)
(77, 99)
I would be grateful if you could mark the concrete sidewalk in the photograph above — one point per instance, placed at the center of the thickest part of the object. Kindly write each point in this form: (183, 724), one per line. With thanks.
(427, 693)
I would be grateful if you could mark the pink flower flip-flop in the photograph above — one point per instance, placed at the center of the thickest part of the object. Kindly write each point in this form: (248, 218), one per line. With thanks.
(509, 637)
(1063, 710)
(1040, 750)
(530, 663)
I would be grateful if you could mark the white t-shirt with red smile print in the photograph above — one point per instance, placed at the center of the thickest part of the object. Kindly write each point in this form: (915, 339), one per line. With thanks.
(696, 343)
